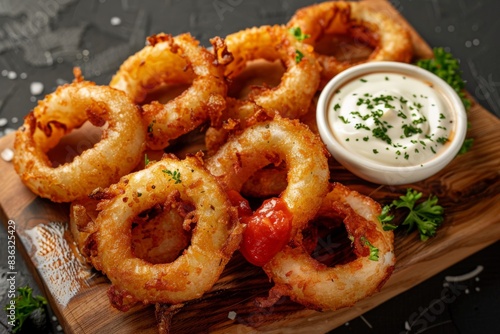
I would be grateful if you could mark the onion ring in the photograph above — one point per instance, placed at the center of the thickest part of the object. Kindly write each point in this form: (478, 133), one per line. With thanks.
(390, 40)
(118, 152)
(317, 286)
(215, 237)
(150, 68)
(174, 59)
(273, 142)
(290, 99)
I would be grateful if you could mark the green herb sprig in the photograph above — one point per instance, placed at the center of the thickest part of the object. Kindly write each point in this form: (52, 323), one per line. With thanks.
(298, 56)
(425, 216)
(298, 34)
(25, 304)
(175, 175)
(373, 250)
(447, 67)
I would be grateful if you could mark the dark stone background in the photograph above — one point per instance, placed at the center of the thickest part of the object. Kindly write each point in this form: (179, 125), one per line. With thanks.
(41, 41)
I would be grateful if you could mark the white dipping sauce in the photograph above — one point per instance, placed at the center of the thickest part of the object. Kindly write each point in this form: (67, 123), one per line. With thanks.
(390, 118)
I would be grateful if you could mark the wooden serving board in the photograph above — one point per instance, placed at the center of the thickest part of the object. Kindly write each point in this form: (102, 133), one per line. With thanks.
(469, 190)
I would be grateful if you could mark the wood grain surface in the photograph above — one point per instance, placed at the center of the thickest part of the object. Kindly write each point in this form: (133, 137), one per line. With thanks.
(468, 189)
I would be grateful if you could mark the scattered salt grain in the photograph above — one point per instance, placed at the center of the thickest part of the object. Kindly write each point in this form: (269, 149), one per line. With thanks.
(231, 315)
(3, 121)
(14, 120)
(115, 21)
(36, 88)
(7, 154)
(12, 75)
(48, 58)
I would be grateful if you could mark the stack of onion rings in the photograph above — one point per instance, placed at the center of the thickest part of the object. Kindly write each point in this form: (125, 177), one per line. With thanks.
(164, 233)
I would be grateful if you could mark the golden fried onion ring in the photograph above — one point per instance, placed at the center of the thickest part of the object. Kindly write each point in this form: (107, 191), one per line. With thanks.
(215, 237)
(174, 60)
(150, 68)
(291, 98)
(118, 152)
(317, 286)
(390, 40)
(272, 142)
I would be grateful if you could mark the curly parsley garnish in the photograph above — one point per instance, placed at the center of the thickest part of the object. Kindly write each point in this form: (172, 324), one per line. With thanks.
(466, 146)
(298, 34)
(146, 160)
(445, 66)
(373, 250)
(24, 305)
(298, 56)
(175, 175)
(426, 216)
(385, 219)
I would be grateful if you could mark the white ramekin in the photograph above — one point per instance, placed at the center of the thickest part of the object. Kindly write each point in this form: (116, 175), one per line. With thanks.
(371, 170)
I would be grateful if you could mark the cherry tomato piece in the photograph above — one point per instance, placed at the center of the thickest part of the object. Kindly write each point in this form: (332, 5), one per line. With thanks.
(267, 231)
